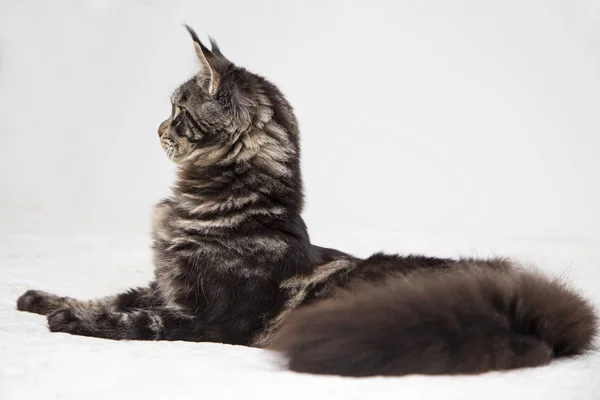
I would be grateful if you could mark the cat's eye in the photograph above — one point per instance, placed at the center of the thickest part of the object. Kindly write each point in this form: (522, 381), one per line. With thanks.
(176, 110)
(176, 113)
(177, 120)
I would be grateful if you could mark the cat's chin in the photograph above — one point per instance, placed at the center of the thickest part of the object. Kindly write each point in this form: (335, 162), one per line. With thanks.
(172, 155)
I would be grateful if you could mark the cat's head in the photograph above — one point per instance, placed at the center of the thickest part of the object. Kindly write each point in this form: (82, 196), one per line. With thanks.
(214, 114)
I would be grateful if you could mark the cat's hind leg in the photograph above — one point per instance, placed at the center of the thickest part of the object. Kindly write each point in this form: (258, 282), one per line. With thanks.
(39, 302)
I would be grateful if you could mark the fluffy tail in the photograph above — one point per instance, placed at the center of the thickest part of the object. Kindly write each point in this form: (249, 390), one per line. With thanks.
(459, 322)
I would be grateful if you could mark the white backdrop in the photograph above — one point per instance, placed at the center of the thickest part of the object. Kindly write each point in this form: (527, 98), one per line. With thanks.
(427, 118)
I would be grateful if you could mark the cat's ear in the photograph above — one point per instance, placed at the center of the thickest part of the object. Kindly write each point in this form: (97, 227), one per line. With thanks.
(212, 62)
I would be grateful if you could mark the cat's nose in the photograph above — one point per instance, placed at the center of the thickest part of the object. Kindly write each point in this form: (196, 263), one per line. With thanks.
(162, 128)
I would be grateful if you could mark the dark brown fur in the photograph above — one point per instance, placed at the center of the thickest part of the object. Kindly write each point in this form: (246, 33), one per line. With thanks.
(461, 321)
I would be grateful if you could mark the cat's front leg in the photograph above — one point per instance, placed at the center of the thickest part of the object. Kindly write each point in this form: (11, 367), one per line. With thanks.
(39, 302)
(141, 324)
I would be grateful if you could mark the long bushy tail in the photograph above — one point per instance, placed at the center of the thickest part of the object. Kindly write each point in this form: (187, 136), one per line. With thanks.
(459, 322)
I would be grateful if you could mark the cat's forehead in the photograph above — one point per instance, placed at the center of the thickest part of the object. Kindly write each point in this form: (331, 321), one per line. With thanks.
(184, 92)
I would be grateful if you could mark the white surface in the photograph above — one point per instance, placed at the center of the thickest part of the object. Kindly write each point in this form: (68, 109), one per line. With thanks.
(37, 364)
(451, 128)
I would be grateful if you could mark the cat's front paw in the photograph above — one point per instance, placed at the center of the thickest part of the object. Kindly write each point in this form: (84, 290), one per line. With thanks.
(36, 301)
(68, 320)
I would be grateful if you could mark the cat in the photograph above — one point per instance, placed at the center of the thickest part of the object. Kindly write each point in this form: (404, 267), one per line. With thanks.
(234, 263)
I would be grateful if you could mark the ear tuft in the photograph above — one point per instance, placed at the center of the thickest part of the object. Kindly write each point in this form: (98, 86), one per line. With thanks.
(209, 61)
(192, 33)
(214, 46)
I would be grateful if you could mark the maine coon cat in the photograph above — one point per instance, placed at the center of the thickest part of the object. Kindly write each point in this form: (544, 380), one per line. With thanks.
(234, 264)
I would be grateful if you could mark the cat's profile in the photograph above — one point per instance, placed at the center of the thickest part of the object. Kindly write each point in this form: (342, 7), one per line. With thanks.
(234, 264)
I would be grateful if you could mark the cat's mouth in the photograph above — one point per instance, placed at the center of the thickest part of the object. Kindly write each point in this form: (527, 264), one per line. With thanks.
(171, 154)
(169, 148)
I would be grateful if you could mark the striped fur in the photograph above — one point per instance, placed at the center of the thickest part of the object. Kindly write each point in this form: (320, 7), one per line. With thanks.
(230, 232)
(234, 264)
